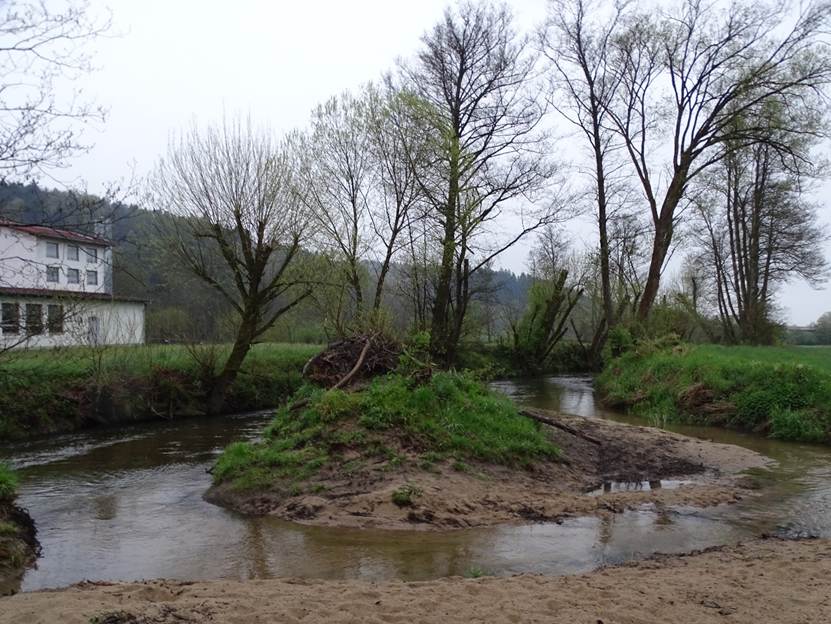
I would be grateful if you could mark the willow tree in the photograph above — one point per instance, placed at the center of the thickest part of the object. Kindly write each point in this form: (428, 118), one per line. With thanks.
(472, 88)
(240, 230)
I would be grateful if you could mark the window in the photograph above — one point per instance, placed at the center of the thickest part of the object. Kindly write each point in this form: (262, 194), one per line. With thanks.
(72, 252)
(92, 278)
(52, 250)
(54, 318)
(73, 276)
(53, 274)
(34, 319)
(10, 321)
(92, 254)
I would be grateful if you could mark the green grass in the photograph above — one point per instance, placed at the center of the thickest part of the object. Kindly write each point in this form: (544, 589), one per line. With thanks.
(8, 483)
(451, 416)
(44, 391)
(781, 392)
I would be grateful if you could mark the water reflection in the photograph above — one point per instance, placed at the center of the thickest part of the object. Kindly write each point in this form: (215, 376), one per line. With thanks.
(127, 504)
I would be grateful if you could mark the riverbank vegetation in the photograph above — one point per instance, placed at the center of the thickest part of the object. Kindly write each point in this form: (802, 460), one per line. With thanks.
(43, 391)
(17, 532)
(780, 392)
(395, 420)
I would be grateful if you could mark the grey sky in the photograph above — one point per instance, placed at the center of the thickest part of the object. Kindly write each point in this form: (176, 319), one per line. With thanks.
(178, 60)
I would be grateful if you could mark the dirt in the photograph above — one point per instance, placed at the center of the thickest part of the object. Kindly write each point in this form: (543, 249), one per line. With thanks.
(17, 549)
(758, 581)
(604, 468)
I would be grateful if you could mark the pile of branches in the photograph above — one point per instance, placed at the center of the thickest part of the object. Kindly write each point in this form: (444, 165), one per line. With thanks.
(352, 360)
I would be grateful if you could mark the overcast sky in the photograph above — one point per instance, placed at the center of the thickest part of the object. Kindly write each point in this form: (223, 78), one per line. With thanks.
(174, 61)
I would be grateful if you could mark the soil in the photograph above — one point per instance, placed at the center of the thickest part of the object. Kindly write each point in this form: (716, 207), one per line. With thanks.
(17, 550)
(759, 581)
(604, 468)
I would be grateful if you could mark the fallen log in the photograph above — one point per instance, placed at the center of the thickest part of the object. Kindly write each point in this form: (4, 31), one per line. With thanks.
(559, 425)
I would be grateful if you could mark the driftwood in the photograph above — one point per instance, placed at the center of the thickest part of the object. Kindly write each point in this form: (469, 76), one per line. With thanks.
(353, 359)
(560, 425)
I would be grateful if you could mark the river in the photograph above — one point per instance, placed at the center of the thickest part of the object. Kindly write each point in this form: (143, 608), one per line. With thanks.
(127, 504)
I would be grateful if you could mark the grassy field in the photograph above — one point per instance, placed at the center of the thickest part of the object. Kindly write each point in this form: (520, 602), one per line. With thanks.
(44, 391)
(449, 417)
(781, 392)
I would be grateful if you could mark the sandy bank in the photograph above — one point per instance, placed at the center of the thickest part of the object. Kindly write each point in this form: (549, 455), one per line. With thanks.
(759, 581)
(635, 465)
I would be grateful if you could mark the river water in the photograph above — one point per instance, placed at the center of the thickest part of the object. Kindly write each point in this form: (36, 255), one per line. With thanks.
(127, 504)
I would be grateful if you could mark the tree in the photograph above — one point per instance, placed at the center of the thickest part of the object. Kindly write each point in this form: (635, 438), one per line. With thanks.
(472, 91)
(43, 48)
(551, 301)
(687, 75)
(242, 229)
(576, 40)
(823, 329)
(757, 231)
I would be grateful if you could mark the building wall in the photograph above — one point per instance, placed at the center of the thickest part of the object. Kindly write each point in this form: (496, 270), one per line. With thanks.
(24, 263)
(119, 323)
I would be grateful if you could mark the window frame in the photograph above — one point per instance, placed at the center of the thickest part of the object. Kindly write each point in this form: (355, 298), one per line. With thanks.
(34, 328)
(56, 246)
(93, 273)
(73, 253)
(57, 272)
(55, 318)
(91, 254)
(10, 326)
(70, 273)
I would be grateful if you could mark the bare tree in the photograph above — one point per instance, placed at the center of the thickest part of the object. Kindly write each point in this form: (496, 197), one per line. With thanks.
(336, 174)
(242, 228)
(471, 87)
(41, 49)
(687, 74)
(576, 40)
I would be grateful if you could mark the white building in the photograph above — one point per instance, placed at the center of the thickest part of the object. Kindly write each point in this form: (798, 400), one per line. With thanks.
(56, 290)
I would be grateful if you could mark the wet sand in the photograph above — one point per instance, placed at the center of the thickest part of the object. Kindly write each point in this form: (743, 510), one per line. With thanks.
(638, 465)
(759, 581)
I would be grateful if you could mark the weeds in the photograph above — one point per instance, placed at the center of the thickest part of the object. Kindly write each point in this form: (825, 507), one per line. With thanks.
(8, 483)
(403, 496)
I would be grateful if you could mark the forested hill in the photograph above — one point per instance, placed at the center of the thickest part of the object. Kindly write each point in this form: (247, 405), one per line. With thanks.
(146, 266)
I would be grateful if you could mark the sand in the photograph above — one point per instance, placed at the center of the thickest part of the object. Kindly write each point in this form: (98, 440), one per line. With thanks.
(690, 472)
(756, 582)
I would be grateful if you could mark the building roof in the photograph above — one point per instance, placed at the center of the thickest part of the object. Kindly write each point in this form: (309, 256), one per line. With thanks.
(45, 231)
(66, 294)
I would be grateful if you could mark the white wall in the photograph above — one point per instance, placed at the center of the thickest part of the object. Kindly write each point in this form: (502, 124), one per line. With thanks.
(23, 263)
(120, 323)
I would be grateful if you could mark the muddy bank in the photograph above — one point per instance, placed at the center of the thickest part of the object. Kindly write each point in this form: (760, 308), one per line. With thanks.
(758, 581)
(603, 468)
(18, 545)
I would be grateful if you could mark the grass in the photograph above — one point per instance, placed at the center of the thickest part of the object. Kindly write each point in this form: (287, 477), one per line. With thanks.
(450, 416)
(43, 391)
(405, 495)
(8, 483)
(781, 392)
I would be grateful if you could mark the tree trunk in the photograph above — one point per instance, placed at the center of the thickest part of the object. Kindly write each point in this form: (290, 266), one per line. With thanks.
(223, 381)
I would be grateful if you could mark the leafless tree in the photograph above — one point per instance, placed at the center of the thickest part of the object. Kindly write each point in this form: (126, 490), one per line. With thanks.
(687, 74)
(43, 48)
(471, 86)
(576, 40)
(242, 229)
